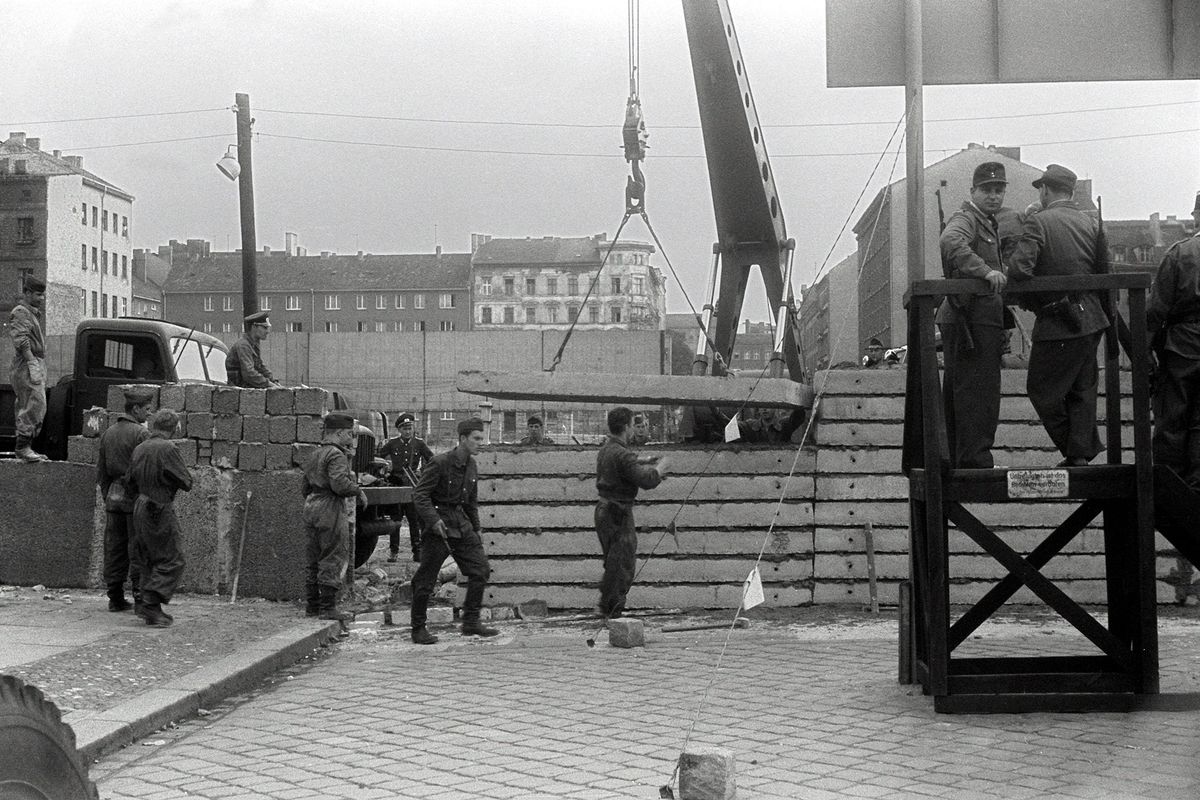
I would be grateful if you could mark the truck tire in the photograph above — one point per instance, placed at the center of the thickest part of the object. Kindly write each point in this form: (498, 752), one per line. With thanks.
(40, 760)
(367, 537)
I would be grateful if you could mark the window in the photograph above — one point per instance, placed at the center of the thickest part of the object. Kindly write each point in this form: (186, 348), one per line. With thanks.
(114, 265)
(95, 255)
(573, 285)
(332, 303)
(616, 313)
(485, 315)
(208, 327)
(293, 327)
(419, 326)
(227, 303)
(639, 284)
(380, 302)
(95, 216)
(552, 313)
(83, 258)
(485, 284)
(293, 302)
(448, 415)
(446, 300)
(593, 313)
(572, 312)
(508, 315)
(226, 327)
(124, 267)
(398, 327)
(360, 302)
(264, 303)
(616, 285)
(124, 226)
(530, 316)
(380, 327)
(531, 286)
(208, 304)
(419, 301)
(94, 312)
(508, 286)
(104, 305)
(85, 213)
(104, 220)
(104, 261)
(114, 307)
(446, 325)
(362, 325)
(398, 300)
(551, 285)
(331, 327)
(24, 230)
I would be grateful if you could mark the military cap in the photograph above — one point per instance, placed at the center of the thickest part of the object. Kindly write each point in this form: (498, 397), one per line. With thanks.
(1058, 176)
(534, 421)
(988, 172)
(874, 343)
(334, 421)
(468, 425)
(257, 318)
(33, 284)
(405, 419)
(138, 395)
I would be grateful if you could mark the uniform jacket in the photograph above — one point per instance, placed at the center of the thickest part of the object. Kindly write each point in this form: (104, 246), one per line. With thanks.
(970, 247)
(245, 366)
(328, 483)
(544, 440)
(619, 475)
(116, 448)
(1173, 310)
(25, 328)
(1059, 240)
(157, 470)
(448, 491)
(412, 455)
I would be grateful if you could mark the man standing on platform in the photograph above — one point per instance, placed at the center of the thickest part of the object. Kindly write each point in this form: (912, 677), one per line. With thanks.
(112, 463)
(536, 433)
(409, 454)
(244, 364)
(28, 375)
(973, 325)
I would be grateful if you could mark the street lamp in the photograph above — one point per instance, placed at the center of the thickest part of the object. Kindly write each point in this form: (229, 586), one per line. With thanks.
(229, 165)
(240, 168)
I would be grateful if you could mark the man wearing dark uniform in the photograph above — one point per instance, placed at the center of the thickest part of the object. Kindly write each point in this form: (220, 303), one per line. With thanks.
(618, 478)
(1063, 376)
(1173, 324)
(973, 325)
(28, 375)
(409, 454)
(112, 463)
(447, 498)
(535, 435)
(329, 489)
(244, 364)
(156, 474)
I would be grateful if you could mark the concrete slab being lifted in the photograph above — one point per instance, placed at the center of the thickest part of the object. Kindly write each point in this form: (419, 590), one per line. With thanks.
(609, 387)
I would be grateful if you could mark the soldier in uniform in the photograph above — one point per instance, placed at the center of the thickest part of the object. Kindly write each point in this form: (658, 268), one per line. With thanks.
(973, 325)
(1173, 324)
(329, 488)
(447, 498)
(409, 454)
(535, 435)
(639, 434)
(619, 475)
(244, 363)
(874, 355)
(156, 474)
(112, 463)
(1063, 376)
(28, 376)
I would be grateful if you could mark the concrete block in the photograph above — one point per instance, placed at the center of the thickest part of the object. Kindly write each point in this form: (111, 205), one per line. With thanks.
(281, 429)
(281, 401)
(227, 427)
(626, 633)
(308, 428)
(116, 398)
(197, 397)
(252, 457)
(224, 454)
(279, 456)
(82, 449)
(172, 396)
(253, 402)
(301, 452)
(310, 401)
(187, 450)
(200, 425)
(502, 612)
(226, 400)
(532, 609)
(440, 614)
(256, 429)
(707, 774)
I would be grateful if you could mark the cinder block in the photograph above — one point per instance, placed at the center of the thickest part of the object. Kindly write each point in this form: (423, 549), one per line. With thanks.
(281, 429)
(172, 396)
(252, 457)
(95, 422)
(187, 450)
(626, 633)
(310, 401)
(281, 401)
(301, 452)
(82, 449)
(227, 427)
(502, 612)
(226, 400)
(256, 429)
(707, 774)
(200, 426)
(308, 429)
(532, 609)
(224, 454)
(279, 456)
(440, 614)
(197, 397)
(253, 402)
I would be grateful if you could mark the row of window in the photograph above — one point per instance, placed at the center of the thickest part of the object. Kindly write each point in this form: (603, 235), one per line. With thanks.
(102, 302)
(100, 220)
(100, 260)
(363, 326)
(507, 315)
(333, 302)
(637, 285)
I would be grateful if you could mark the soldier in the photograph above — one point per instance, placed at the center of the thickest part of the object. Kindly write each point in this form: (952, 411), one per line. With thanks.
(28, 367)
(640, 433)
(112, 463)
(618, 478)
(1173, 324)
(874, 354)
(1063, 376)
(156, 474)
(535, 436)
(244, 364)
(329, 486)
(409, 454)
(447, 498)
(973, 325)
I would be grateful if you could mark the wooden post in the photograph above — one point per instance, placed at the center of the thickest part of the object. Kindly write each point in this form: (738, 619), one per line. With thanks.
(872, 588)
(246, 204)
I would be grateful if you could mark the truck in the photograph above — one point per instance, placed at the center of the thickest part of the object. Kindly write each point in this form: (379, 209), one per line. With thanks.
(111, 352)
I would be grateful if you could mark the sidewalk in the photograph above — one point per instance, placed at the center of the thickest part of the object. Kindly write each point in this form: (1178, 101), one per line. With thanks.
(116, 679)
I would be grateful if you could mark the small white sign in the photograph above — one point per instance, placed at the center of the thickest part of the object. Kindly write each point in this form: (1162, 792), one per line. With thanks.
(1032, 483)
(752, 590)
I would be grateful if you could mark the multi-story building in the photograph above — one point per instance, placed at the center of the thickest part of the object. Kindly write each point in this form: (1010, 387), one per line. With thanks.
(1139, 244)
(324, 293)
(65, 225)
(829, 317)
(149, 274)
(546, 283)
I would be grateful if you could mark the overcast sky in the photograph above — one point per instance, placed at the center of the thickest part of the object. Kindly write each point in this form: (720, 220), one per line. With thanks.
(549, 78)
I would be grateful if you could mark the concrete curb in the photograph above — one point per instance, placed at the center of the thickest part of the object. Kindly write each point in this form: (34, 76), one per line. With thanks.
(99, 732)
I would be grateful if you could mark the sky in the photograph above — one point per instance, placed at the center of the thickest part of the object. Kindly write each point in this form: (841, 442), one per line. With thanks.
(394, 127)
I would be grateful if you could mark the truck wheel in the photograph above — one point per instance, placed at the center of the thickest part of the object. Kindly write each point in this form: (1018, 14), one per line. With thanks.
(367, 538)
(40, 760)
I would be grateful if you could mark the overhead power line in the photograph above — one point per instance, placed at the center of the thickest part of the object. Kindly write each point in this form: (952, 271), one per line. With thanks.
(116, 116)
(154, 141)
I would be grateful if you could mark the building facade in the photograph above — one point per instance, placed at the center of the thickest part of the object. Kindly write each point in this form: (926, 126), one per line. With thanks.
(149, 273)
(538, 284)
(61, 223)
(829, 317)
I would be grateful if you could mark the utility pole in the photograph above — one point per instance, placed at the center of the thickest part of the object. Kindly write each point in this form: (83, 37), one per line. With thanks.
(914, 136)
(246, 203)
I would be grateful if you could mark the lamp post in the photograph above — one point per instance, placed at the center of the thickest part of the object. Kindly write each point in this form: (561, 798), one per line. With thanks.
(242, 171)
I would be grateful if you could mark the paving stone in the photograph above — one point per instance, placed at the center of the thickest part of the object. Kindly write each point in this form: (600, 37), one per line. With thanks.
(532, 609)
(626, 633)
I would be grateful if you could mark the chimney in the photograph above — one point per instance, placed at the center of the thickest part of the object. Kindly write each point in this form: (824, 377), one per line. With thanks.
(478, 240)
(437, 251)
(16, 137)
(360, 255)
(266, 249)
(289, 242)
(33, 144)
(58, 153)
(74, 161)
(326, 254)
(1156, 237)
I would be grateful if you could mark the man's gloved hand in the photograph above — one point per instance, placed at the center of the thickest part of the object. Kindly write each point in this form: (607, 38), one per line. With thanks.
(439, 529)
(997, 280)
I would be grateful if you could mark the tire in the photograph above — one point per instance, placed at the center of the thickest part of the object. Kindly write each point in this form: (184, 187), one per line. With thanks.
(40, 759)
(367, 537)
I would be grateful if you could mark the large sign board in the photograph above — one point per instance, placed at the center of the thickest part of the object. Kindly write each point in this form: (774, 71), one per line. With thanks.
(1014, 41)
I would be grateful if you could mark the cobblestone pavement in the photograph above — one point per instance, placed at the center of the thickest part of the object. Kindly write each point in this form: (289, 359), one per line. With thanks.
(808, 712)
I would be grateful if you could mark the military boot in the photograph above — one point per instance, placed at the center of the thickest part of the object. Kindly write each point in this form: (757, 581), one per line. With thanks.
(116, 599)
(24, 451)
(328, 605)
(155, 616)
(312, 601)
(473, 627)
(420, 610)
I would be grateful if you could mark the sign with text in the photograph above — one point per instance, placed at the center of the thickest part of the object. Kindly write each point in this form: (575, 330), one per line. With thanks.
(1033, 484)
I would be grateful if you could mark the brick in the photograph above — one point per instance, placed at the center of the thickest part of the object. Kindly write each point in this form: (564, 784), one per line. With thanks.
(256, 429)
(310, 401)
(279, 456)
(95, 422)
(227, 427)
(626, 633)
(281, 430)
(82, 449)
(308, 429)
(226, 400)
(197, 397)
(532, 609)
(253, 402)
(707, 774)
(440, 614)
(172, 396)
(301, 451)
(281, 401)
(224, 454)
(187, 450)
(252, 457)
(502, 612)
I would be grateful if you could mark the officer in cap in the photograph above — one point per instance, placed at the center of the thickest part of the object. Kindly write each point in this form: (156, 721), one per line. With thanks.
(112, 463)
(409, 454)
(244, 364)
(972, 325)
(28, 375)
(1063, 375)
